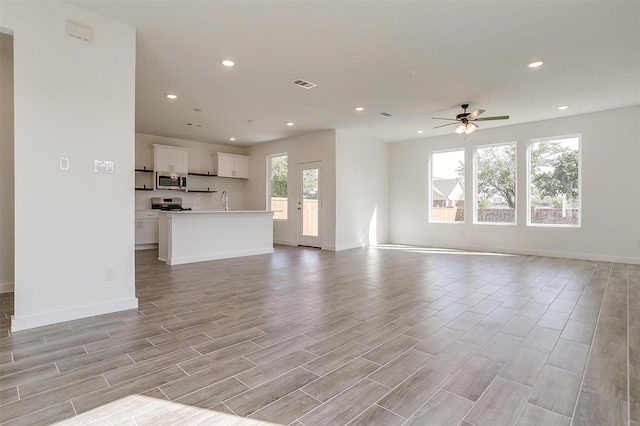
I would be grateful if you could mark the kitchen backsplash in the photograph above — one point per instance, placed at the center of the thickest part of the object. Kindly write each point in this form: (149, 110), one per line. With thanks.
(196, 201)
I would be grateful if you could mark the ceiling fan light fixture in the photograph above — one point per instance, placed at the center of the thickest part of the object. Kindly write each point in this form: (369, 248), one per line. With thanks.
(466, 120)
(470, 128)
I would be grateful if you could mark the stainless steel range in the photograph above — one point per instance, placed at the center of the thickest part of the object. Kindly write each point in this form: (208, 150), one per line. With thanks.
(168, 204)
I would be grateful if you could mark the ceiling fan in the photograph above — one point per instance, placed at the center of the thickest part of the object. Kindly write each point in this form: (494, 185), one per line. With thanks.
(466, 120)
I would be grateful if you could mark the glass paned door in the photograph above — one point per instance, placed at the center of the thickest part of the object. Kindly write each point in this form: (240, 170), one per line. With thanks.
(309, 205)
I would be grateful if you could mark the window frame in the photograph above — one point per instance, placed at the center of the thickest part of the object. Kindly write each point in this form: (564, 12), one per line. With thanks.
(430, 185)
(530, 143)
(474, 195)
(269, 184)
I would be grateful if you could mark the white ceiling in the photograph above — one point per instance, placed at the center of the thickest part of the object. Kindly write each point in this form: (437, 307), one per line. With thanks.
(413, 59)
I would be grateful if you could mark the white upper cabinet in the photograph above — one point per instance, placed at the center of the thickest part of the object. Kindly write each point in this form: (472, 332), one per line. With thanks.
(231, 165)
(170, 159)
(241, 167)
(224, 164)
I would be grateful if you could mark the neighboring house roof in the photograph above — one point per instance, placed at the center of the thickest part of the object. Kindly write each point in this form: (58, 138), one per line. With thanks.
(446, 187)
(437, 195)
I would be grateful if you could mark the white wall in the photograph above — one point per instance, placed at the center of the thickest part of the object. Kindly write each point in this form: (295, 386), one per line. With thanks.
(75, 99)
(6, 165)
(362, 180)
(318, 146)
(200, 159)
(610, 191)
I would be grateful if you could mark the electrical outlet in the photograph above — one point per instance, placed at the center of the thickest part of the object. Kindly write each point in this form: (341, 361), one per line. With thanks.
(109, 274)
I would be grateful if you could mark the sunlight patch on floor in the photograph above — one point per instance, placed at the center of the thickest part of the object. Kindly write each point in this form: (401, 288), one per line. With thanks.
(436, 250)
(147, 410)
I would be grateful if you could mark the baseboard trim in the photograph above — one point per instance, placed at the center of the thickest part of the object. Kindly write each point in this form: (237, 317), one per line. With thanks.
(349, 246)
(39, 320)
(6, 288)
(285, 242)
(146, 246)
(217, 256)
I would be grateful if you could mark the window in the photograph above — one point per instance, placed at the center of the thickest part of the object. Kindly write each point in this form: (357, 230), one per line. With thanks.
(554, 182)
(495, 183)
(447, 186)
(277, 200)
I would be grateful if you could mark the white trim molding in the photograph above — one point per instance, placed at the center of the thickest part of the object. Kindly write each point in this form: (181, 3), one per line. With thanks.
(6, 287)
(33, 321)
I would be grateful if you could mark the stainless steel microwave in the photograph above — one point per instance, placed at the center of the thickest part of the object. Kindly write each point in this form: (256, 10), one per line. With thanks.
(170, 180)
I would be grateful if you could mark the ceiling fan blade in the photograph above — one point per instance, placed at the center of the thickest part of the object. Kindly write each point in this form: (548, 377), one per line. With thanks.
(438, 118)
(448, 124)
(499, 117)
(474, 114)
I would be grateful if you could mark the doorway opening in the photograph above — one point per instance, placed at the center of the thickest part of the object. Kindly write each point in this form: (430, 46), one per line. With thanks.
(309, 204)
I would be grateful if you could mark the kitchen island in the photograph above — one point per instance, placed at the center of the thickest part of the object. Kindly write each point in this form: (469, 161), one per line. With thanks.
(198, 236)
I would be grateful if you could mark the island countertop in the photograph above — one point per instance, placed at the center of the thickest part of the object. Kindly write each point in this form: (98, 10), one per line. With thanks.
(215, 211)
(199, 235)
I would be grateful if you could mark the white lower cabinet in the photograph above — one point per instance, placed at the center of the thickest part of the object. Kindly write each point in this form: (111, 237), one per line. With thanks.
(147, 227)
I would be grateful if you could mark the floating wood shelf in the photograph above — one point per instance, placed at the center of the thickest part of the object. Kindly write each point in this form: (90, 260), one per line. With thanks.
(202, 190)
(203, 174)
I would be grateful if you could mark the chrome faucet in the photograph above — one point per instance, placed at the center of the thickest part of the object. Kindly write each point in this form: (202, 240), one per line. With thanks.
(225, 200)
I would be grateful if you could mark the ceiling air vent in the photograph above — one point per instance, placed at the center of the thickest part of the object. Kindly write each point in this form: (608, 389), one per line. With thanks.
(385, 114)
(305, 84)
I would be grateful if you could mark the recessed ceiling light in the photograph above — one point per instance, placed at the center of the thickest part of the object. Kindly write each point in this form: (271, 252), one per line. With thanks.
(289, 123)
(232, 139)
(197, 109)
(228, 63)
(563, 107)
(535, 64)
(172, 95)
(359, 108)
(420, 131)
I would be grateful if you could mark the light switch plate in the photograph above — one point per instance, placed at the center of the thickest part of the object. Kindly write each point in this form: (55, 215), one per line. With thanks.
(78, 31)
(103, 166)
(64, 164)
(110, 274)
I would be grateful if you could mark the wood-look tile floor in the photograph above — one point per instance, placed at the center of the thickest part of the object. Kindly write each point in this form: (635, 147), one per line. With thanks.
(378, 336)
